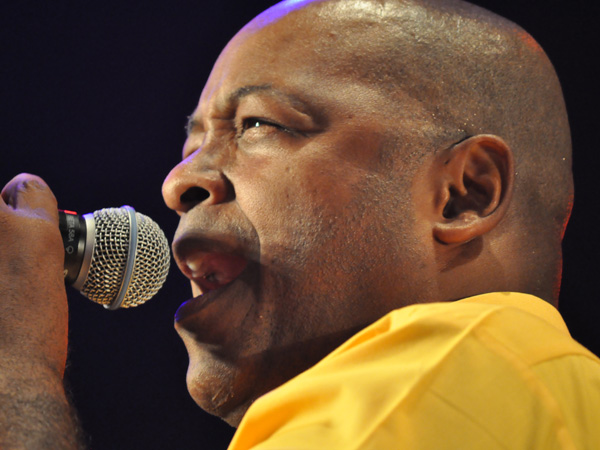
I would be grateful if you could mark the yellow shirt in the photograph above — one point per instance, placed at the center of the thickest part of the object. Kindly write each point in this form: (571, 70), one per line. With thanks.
(495, 371)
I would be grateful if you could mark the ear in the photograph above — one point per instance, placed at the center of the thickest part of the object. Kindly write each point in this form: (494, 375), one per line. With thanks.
(475, 181)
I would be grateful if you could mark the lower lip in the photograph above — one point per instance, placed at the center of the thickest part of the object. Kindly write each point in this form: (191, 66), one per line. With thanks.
(221, 306)
(224, 295)
(197, 304)
(213, 318)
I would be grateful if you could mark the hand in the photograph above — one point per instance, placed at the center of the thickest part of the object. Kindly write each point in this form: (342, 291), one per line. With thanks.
(33, 306)
(33, 321)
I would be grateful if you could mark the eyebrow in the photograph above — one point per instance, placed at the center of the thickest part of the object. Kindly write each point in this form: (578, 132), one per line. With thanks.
(247, 90)
(244, 91)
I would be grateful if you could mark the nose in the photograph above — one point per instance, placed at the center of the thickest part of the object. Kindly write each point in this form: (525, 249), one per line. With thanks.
(191, 183)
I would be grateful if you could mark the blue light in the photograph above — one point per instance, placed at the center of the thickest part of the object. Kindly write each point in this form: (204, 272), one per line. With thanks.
(279, 10)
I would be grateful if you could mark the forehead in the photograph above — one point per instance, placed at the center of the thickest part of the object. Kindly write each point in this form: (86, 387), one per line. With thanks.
(275, 48)
(321, 53)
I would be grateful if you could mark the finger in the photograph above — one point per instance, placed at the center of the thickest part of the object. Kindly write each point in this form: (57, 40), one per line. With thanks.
(29, 192)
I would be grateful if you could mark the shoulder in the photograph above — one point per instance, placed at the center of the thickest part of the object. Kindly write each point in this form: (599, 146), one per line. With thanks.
(441, 376)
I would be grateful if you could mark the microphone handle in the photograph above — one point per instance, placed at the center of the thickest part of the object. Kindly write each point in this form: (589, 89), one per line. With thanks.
(74, 234)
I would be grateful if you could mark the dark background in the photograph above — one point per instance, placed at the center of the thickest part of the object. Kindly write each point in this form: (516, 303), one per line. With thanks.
(94, 98)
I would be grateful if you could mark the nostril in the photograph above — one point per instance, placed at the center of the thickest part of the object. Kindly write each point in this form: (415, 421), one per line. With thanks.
(193, 196)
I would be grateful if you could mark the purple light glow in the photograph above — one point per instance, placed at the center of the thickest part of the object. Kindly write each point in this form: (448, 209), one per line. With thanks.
(276, 12)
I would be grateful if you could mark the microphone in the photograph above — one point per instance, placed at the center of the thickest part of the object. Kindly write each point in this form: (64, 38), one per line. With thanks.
(114, 256)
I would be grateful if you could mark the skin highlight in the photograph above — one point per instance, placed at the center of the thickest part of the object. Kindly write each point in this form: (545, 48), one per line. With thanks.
(352, 191)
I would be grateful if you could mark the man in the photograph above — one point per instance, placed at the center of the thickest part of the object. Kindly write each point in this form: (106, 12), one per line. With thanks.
(350, 166)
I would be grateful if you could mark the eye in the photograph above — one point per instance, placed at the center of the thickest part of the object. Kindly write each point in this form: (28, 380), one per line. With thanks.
(255, 129)
(255, 122)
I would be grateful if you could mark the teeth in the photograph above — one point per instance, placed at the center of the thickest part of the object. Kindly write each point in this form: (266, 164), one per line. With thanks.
(195, 268)
(215, 268)
(198, 272)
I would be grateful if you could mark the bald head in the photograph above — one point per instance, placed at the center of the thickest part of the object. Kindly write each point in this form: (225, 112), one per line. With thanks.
(453, 70)
(470, 71)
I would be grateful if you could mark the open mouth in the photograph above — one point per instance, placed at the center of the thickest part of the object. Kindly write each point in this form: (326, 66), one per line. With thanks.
(221, 267)
(216, 293)
(210, 271)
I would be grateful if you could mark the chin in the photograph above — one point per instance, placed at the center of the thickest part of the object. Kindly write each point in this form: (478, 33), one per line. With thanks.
(216, 401)
(221, 387)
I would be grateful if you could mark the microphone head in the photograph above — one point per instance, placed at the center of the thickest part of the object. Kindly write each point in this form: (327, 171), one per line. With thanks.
(130, 259)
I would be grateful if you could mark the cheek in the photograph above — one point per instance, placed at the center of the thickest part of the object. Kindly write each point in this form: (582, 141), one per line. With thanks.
(294, 204)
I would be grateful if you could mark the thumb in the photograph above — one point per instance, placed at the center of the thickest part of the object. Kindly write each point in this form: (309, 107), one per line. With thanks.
(30, 195)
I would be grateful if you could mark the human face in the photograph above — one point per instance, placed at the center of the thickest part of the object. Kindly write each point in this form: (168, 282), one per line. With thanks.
(294, 226)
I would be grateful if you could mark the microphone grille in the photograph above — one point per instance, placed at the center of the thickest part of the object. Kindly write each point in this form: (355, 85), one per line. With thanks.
(109, 259)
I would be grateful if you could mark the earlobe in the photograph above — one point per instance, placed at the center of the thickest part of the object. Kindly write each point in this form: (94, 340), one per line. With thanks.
(474, 185)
